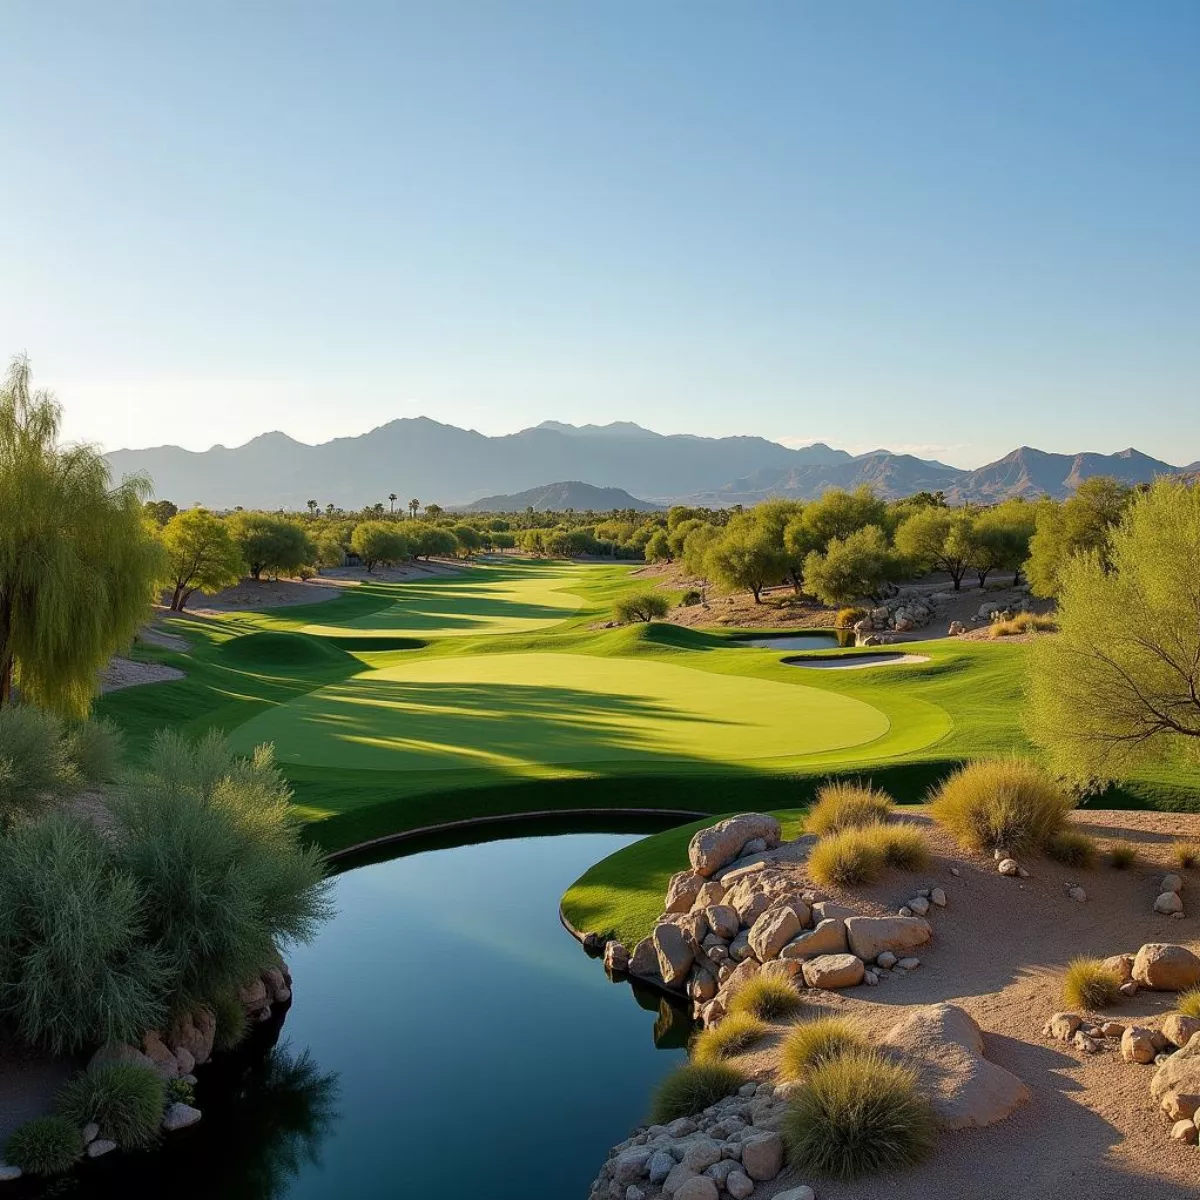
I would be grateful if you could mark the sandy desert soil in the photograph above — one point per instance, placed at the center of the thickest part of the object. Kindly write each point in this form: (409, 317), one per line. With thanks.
(1091, 1131)
(124, 673)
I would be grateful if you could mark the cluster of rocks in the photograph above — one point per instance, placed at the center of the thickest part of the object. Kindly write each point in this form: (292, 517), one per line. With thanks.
(735, 915)
(900, 614)
(1169, 901)
(1007, 865)
(724, 1151)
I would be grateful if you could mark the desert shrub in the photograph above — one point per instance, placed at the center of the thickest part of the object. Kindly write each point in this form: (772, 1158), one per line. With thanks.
(1072, 848)
(232, 1023)
(125, 1099)
(857, 1114)
(1188, 1002)
(849, 858)
(1010, 803)
(641, 606)
(75, 963)
(847, 618)
(214, 845)
(1024, 622)
(1185, 854)
(44, 1146)
(95, 748)
(734, 1035)
(34, 763)
(179, 1091)
(843, 805)
(690, 598)
(1089, 984)
(1122, 855)
(902, 845)
(692, 1088)
(812, 1043)
(766, 998)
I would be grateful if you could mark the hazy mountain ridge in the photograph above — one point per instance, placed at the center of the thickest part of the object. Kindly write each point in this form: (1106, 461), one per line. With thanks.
(423, 458)
(558, 497)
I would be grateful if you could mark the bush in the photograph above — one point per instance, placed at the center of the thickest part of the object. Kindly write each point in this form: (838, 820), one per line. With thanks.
(766, 998)
(35, 765)
(232, 1023)
(1072, 848)
(847, 618)
(1185, 854)
(690, 598)
(734, 1035)
(641, 606)
(1024, 622)
(76, 967)
(95, 749)
(214, 845)
(126, 1100)
(44, 1146)
(1089, 984)
(846, 859)
(844, 805)
(1012, 804)
(812, 1043)
(1188, 1002)
(858, 1114)
(692, 1088)
(901, 846)
(179, 1091)
(1122, 855)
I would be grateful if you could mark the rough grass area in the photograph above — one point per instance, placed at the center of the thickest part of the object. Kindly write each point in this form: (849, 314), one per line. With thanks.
(692, 1088)
(1025, 622)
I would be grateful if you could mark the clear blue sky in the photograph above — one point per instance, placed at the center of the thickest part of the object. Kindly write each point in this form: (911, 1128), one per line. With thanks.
(952, 227)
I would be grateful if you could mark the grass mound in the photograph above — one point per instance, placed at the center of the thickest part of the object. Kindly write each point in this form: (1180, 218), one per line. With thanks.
(1010, 803)
(734, 1035)
(289, 651)
(901, 846)
(1071, 848)
(1024, 622)
(692, 1088)
(858, 1114)
(1122, 855)
(850, 858)
(1188, 1003)
(1089, 984)
(126, 1100)
(44, 1146)
(812, 1043)
(766, 998)
(845, 804)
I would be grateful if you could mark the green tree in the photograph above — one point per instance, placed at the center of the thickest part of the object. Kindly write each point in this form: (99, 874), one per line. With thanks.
(270, 543)
(746, 556)
(378, 542)
(939, 539)
(658, 547)
(839, 513)
(468, 539)
(201, 556)
(160, 511)
(851, 567)
(414, 506)
(641, 607)
(1119, 685)
(1079, 525)
(428, 540)
(78, 562)
(1001, 538)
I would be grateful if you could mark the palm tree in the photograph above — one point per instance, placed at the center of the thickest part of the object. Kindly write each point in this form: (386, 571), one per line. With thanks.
(414, 506)
(329, 510)
(392, 501)
(312, 508)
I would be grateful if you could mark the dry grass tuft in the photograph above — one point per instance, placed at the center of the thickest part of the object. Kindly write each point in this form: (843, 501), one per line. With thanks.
(812, 1043)
(1072, 848)
(847, 805)
(1122, 855)
(734, 1035)
(766, 998)
(1185, 854)
(850, 858)
(692, 1088)
(1025, 622)
(1090, 985)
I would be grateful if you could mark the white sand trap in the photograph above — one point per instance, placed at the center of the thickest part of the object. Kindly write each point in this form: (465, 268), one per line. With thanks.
(857, 661)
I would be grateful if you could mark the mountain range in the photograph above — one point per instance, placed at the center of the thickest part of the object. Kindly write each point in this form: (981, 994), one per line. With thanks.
(558, 497)
(422, 458)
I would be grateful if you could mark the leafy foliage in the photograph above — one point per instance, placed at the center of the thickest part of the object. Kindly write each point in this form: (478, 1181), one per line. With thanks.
(271, 543)
(201, 555)
(641, 606)
(35, 761)
(854, 566)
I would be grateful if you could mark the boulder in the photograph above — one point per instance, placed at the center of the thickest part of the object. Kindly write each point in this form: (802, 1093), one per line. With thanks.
(164, 1061)
(1137, 1045)
(871, 936)
(739, 1185)
(1062, 1026)
(1171, 883)
(179, 1116)
(834, 971)
(1184, 1131)
(683, 890)
(1166, 967)
(1180, 1106)
(742, 972)
(1121, 965)
(616, 958)
(194, 1032)
(945, 1046)
(786, 969)
(702, 986)
(120, 1053)
(1179, 1030)
(1009, 867)
(675, 954)
(800, 1193)
(699, 1187)
(712, 848)
(918, 905)
(829, 937)
(253, 995)
(829, 910)
(712, 892)
(723, 920)
(644, 959)
(99, 1147)
(1177, 1078)
(739, 948)
(938, 896)
(762, 1156)
(1168, 903)
(774, 929)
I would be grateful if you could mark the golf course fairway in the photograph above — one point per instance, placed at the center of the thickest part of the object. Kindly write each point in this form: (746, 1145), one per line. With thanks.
(513, 711)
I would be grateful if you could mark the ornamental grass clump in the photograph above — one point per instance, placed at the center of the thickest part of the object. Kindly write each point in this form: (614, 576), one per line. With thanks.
(1024, 622)
(1185, 854)
(44, 1146)
(849, 858)
(1122, 855)
(845, 805)
(1071, 848)
(901, 846)
(812, 1043)
(857, 1114)
(1009, 803)
(1188, 1003)
(1090, 985)
(692, 1088)
(35, 764)
(125, 1099)
(766, 998)
(736, 1034)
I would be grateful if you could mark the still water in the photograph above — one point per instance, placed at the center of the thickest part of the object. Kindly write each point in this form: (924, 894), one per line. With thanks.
(801, 641)
(448, 1038)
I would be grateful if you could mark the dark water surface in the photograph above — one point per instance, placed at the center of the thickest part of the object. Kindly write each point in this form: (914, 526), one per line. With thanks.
(447, 1039)
(800, 641)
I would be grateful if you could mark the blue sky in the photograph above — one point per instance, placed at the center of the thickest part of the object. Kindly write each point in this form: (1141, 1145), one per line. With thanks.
(949, 227)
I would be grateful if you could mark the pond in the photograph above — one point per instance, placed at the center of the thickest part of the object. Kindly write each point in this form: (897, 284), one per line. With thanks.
(801, 641)
(448, 1038)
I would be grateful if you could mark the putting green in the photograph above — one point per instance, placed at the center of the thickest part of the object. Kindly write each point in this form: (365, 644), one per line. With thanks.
(488, 601)
(515, 712)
